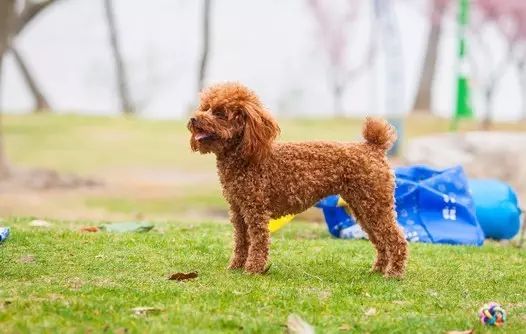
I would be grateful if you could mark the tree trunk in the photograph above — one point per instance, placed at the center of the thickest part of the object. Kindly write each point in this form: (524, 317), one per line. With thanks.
(427, 74)
(206, 44)
(4, 165)
(41, 103)
(338, 106)
(120, 70)
(493, 81)
(7, 8)
(488, 96)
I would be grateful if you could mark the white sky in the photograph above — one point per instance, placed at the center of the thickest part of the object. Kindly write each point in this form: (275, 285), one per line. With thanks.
(271, 45)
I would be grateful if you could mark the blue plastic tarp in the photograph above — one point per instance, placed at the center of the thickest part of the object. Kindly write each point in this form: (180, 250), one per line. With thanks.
(433, 206)
(4, 233)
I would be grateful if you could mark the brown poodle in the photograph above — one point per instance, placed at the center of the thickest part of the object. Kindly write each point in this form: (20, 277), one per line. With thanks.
(263, 179)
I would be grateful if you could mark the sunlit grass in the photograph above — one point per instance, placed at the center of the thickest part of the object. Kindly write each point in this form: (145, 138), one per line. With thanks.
(58, 280)
(61, 280)
(90, 144)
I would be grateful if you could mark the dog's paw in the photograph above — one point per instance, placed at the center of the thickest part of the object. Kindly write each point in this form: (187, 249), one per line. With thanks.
(394, 270)
(394, 274)
(380, 265)
(236, 264)
(256, 267)
(376, 270)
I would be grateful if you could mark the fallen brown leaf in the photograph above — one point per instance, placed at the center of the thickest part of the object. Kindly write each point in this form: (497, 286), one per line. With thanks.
(182, 276)
(5, 304)
(89, 229)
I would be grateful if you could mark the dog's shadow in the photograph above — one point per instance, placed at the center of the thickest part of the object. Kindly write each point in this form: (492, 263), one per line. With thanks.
(317, 273)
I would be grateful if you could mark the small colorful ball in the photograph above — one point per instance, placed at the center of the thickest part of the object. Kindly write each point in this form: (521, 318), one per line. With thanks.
(492, 314)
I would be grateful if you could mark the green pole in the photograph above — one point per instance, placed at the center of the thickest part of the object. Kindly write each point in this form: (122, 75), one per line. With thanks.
(463, 106)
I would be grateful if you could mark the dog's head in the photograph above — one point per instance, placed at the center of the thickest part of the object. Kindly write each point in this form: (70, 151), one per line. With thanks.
(230, 118)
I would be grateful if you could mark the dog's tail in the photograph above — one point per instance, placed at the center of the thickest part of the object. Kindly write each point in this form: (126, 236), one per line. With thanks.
(378, 132)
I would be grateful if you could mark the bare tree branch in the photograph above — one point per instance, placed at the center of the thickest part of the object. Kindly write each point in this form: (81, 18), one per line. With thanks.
(492, 83)
(335, 30)
(363, 66)
(26, 16)
(29, 12)
(120, 70)
(41, 103)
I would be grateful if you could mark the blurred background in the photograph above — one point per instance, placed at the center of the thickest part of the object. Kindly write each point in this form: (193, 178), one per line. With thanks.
(95, 93)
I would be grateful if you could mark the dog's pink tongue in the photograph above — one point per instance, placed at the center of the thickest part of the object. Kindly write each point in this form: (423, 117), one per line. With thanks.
(201, 135)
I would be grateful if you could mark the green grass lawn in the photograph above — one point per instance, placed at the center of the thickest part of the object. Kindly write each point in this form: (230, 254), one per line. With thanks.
(85, 144)
(61, 280)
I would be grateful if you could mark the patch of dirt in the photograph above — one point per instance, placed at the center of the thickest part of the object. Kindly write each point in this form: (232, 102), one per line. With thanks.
(45, 193)
(75, 283)
(26, 259)
(42, 193)
(45, 179)
(146, 310)
(207, 214)
(160, 176)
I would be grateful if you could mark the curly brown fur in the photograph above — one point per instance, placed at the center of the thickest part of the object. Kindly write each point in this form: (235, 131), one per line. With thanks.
(262, 179)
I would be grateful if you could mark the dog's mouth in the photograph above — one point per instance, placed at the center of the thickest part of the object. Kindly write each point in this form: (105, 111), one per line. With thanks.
(201, 136)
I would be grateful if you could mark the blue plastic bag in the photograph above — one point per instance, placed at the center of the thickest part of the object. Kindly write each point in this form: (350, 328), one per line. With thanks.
(433, 206)
(497, 208)
(4, 233)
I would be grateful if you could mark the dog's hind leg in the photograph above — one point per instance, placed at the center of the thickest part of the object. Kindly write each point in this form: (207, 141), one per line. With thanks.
(382, 257)
(241, 240)
(377, 217)
(398, 252)
(382, 222)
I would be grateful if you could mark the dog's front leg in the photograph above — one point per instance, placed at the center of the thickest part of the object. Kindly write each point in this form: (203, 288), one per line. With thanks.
(259, 235)
(241, 241)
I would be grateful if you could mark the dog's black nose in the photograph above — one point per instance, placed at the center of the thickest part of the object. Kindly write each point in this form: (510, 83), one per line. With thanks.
(193, 120)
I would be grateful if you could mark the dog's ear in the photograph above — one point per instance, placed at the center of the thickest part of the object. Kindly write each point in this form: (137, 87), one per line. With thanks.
(193, 143)
(259, 133)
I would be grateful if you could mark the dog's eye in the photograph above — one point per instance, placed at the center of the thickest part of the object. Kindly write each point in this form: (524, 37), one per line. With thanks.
(219, 113)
